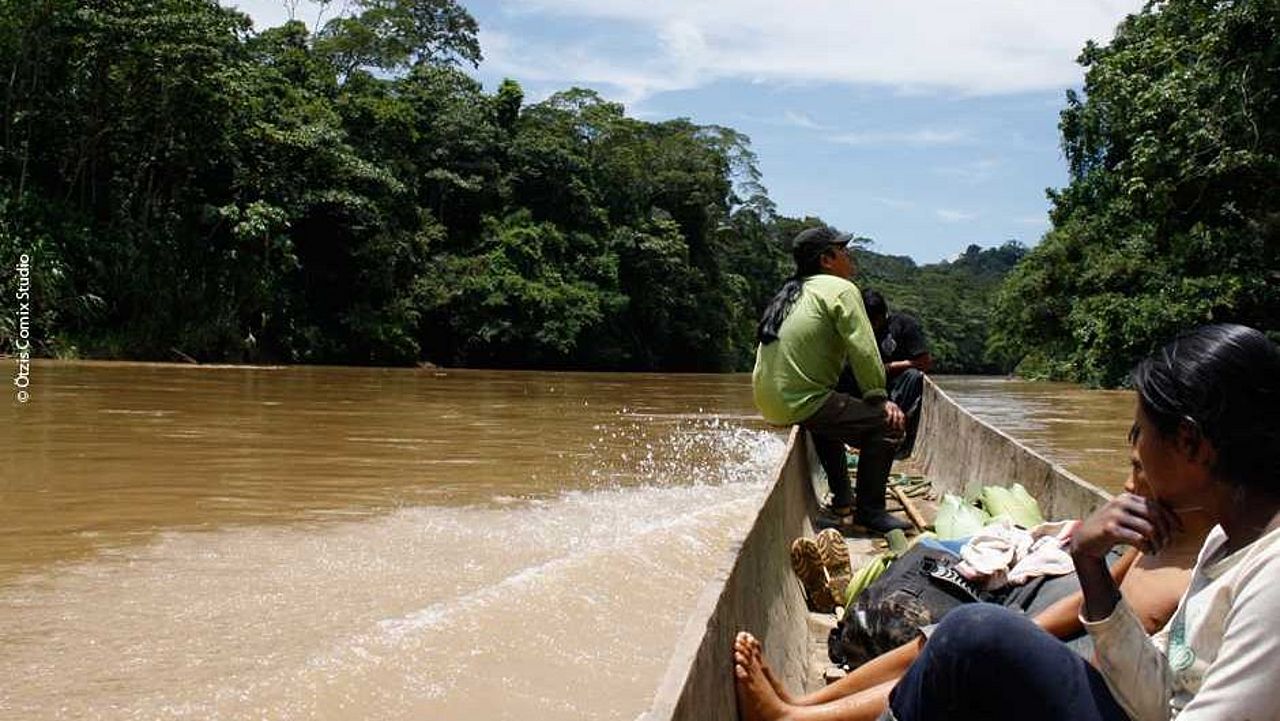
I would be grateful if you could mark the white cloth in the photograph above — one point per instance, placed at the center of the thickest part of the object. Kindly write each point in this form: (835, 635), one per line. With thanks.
(1230, 618)
(1002, 554)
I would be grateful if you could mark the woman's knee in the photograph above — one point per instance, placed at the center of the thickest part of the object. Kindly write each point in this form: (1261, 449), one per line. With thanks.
(982, 630)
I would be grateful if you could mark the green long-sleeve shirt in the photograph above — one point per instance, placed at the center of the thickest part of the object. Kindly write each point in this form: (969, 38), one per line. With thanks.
(826, 327)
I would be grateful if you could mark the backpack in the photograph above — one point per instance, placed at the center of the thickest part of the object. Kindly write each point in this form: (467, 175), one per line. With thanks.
(918, 589)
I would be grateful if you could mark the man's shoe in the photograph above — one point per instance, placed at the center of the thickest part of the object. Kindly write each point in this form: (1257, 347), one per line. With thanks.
(881, 521)
(806, 561)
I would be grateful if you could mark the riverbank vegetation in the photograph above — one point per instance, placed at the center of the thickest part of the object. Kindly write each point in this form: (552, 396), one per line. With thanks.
(186, 186)
(1172, 215)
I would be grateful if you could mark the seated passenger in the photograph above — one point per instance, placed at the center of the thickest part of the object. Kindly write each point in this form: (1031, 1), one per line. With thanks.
(813, 327)
(1153, 583)
(1207, 437)
(906, 359)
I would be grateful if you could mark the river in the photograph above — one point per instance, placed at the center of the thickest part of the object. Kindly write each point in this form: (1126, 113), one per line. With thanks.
(1085, 431)
(336, 543)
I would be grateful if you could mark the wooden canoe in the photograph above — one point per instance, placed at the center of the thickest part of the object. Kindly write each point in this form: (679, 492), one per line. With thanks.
(755, 589)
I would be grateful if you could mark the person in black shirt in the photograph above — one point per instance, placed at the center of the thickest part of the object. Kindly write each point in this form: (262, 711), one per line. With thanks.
(906, 359)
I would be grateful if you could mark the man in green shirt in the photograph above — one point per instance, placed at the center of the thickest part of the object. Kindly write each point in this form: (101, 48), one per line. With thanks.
(814, 326)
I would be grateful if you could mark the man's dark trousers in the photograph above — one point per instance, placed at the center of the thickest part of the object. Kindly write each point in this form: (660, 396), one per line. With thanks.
(843, 419)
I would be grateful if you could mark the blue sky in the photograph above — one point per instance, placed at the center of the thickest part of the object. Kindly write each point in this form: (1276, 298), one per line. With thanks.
(925, 126)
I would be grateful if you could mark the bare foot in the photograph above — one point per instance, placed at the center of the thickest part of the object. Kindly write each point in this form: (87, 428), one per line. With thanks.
(752, 646)
(757, 700)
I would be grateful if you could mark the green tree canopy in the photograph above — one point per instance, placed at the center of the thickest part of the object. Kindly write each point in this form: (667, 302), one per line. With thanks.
(188, 186)
(1173, 212)
(952, 300)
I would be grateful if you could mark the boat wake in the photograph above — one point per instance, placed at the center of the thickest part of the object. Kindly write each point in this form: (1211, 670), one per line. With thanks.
(422, 612)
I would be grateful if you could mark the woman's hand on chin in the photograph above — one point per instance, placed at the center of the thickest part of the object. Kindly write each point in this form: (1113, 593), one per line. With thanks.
(1133, 520)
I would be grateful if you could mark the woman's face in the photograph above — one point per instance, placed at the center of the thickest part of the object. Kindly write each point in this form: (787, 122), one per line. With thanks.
(1171, 470)
(1136, 483)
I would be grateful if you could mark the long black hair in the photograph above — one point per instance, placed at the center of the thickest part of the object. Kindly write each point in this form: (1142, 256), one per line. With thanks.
(808, 258)
(873, 301)
(1221, 382)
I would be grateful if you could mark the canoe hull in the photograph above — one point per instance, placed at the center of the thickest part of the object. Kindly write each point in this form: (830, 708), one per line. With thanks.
(960, 453)
(755, 590)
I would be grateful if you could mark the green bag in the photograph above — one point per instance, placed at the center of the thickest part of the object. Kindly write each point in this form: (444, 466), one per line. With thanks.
(957, 519)
(1015, 503)
(1031, 507)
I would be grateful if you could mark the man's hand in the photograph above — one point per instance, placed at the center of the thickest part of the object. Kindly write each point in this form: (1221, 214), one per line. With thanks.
(1139, 521)
(922, 363)
(895, 419)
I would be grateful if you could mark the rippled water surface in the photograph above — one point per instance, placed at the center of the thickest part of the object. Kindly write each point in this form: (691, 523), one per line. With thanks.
(322, 543)
(335, 543)
(1084, 430)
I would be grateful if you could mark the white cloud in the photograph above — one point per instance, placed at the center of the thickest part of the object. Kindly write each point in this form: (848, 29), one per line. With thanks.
(979, 47)
(922, 137)
(895, 203)
(584, 64)
(978, 171)
(954, 216)
(789, 118)
(800, 120)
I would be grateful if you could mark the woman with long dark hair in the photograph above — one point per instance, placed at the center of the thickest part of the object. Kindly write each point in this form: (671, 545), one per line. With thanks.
(814, 327)
(1207, 435)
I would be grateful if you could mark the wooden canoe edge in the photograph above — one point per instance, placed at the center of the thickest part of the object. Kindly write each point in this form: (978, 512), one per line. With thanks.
(959, 453)
(755, 591)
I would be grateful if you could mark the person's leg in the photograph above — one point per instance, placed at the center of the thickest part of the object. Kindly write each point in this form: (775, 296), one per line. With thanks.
(867, 705)
(886, 668)
(907, 390)
(844, 419)
(831, 455)
(987, 662)
(875, 458)
(759, 701)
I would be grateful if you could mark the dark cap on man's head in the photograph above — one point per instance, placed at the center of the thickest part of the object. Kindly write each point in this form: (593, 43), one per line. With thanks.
(820, 237)
(814, 241)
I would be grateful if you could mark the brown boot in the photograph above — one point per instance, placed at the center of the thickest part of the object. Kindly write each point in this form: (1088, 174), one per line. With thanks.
(835, 558)
(806, 561)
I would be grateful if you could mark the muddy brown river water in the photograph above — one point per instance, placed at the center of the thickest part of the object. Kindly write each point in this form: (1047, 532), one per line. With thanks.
(337, 543)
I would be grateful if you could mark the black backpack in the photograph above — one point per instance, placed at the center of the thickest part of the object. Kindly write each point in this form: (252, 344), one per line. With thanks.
(916, 590)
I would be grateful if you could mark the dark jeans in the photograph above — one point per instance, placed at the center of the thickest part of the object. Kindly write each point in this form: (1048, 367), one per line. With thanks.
(906, 389)
(987, 662)
(841, 420)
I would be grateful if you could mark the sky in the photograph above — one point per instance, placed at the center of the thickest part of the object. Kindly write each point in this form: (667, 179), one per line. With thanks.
(926, 126)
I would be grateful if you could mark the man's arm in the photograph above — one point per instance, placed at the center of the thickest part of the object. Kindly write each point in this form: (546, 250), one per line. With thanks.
(922, 363)
(911, 343)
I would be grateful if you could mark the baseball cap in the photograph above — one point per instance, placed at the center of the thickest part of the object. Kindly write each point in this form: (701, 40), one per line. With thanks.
(814, 241)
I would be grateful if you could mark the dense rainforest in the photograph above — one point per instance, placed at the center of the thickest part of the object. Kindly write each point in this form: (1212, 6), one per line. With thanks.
(186, 185)
(1172, 215)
